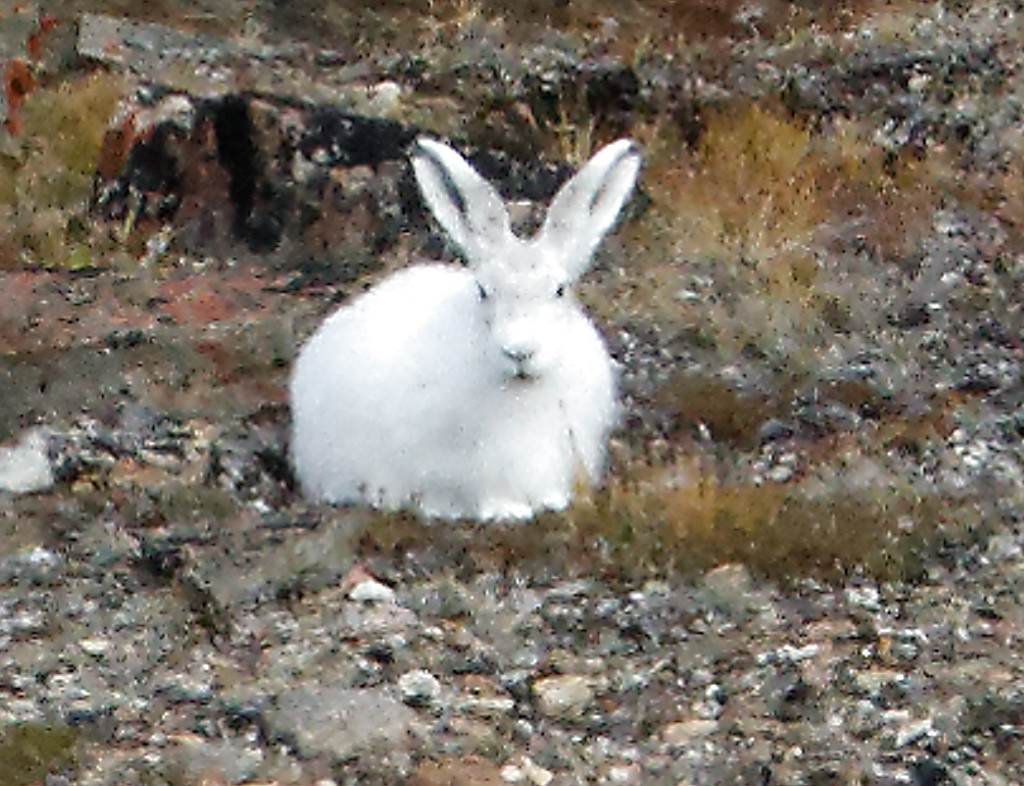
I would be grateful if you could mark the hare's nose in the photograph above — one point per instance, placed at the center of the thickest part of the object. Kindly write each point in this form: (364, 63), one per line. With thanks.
(518, 354)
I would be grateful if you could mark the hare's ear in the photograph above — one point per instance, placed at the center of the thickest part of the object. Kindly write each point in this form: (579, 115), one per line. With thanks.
(465, 204)
(586, 207)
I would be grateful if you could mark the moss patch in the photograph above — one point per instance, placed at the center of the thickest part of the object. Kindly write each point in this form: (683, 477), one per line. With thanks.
(31, 751)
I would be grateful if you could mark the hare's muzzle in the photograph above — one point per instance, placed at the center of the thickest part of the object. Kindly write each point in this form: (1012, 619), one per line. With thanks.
(521, 359)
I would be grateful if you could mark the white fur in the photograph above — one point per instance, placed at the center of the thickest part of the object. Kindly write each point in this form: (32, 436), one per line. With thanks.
(426, 393)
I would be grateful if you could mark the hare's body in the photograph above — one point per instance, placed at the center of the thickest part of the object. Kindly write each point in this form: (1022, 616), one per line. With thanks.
(527, 443)
(480, 392)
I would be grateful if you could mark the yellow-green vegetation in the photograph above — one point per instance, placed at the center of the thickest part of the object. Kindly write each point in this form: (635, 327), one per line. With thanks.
(752, 211)
(46, 179)
(31, 751)
(740, 214)
(638, 528)
(775, 529)
(753, 194)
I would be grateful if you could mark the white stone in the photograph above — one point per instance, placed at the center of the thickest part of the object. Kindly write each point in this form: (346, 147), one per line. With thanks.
(537, 774)
(25, 467)
(372, 591)
(96, 647)
(419, 687)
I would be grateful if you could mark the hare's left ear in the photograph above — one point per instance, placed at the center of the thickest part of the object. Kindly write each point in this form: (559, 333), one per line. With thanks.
(465, 204)
(586, 207)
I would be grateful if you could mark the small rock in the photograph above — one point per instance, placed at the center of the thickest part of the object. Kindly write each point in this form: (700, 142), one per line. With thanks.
(194, 685)
(781, 473)
(526, 771)
(39, 566)
(708, 710)
(623, 774)
(419, 688)
(731, 588)
(535, 773)
(94, 646)
(384, 99)
(1003, 548)
(728, 579)
(372, 591)
(683, 733)
(866, 597)
(31, 622)
(912, 732)
(513, 773)
(487, 706)
(343, 723)
(873, 682)
(26, 467)
(788, 654)
(564, 695)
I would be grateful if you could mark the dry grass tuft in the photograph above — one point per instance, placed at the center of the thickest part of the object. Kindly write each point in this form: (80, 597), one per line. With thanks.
(752, 193)
(639, 528)
(742, 238)
(46, 184)
(781, 531)
(731, 243)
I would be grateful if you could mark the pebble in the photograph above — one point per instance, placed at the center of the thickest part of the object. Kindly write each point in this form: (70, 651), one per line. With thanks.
(372, 591)
(863, 719)
(526, 771)
(866, 597)
(874, 681)
(564, 695)
(95, 646)
(487, 706)
(684, 733)
(731, 588)
(788, 654)
(419, 688)
(623, 774)
(912, 732)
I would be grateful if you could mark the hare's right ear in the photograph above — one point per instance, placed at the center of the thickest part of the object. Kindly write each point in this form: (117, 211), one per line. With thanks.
(465, 204)
(586, 207)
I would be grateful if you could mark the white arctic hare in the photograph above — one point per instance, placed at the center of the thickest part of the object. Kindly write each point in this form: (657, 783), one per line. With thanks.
(479, 392)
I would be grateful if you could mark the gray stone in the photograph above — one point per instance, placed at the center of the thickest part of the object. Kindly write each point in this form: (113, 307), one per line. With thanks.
(234, 760)
(564, 695)
(912, 732)
(342, 723)
(731, 588)
(419, 688)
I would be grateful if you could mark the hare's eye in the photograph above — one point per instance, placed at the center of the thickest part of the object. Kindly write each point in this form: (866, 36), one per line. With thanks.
(560, 292)
(481, 291)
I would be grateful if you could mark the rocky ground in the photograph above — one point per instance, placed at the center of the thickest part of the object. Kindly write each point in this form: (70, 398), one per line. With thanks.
(807, 565)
